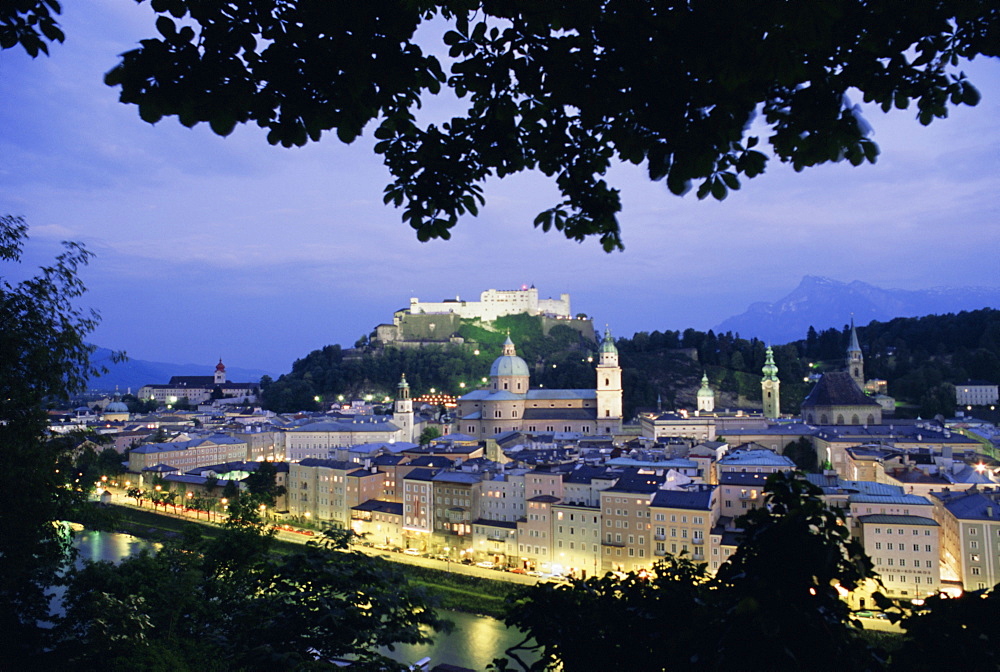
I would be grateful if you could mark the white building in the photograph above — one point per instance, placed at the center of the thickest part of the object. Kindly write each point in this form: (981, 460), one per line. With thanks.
(976, 393)
(494, 303)
(317, 439)
(199, 389)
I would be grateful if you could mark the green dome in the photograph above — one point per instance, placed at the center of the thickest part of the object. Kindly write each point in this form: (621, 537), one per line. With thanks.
(705, 391)
(608, 343)
(770, 370)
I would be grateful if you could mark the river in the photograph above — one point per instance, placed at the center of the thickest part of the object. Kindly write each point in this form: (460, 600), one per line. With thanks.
(474, 642)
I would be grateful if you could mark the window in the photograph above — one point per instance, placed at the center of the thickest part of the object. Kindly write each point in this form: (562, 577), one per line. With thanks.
(975, 571)
(927, 547)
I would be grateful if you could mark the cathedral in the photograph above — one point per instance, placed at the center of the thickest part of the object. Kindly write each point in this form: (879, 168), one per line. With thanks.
(839, 398)
(509, 403)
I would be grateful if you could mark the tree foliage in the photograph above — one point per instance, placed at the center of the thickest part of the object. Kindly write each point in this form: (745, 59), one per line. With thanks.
(32, 24)
(43, 356)
(565, 88)
(196, 606)
(960, 633)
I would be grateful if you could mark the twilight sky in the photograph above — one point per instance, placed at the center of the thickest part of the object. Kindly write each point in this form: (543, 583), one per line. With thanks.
(229, 247)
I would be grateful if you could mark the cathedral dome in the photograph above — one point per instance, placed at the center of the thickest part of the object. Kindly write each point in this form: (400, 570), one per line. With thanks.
(116, 407)
(509, 364)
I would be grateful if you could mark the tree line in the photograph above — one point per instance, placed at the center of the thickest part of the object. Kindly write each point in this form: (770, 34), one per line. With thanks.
(920, 358)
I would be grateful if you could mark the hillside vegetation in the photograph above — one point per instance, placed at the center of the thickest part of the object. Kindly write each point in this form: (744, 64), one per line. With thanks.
(921, 358)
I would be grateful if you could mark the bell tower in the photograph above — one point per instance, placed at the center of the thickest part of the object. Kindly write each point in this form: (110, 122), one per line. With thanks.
(706, 397)
(220, 373)
(855, 359)
(402, 414)
(609, 387)
(770, 387)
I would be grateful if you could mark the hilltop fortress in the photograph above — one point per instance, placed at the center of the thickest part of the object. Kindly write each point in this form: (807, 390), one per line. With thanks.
(494, 303)
(439, 322)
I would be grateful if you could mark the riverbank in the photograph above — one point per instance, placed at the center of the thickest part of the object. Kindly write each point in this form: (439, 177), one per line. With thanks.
(450, 590)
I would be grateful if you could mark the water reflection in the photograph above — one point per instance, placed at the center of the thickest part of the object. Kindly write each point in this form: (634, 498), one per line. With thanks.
(474, 642)
(99, 546)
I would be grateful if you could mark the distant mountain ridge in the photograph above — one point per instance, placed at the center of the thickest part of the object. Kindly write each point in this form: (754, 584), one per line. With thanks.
(824, 303)
(134, 373)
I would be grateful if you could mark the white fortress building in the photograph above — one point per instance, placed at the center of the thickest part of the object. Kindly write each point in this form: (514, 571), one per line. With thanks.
(494, 303)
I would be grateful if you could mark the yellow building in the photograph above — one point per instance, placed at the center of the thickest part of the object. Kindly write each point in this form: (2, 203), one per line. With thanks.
(509, 403)
(905, 551)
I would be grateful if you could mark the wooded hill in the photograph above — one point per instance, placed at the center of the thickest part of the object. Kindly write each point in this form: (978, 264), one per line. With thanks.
(919, 357)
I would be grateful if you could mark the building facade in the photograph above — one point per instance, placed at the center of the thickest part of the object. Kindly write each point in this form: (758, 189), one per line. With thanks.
(509, 403)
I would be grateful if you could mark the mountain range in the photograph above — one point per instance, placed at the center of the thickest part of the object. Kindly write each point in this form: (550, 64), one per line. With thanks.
(134, 373)
(824, 303)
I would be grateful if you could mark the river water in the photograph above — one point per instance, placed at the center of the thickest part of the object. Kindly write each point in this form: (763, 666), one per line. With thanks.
(473, 643)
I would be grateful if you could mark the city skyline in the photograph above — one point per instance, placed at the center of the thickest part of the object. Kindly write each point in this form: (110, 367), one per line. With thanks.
(209, 246)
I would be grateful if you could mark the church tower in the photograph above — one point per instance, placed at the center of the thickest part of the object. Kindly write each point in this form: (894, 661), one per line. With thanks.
(220, 373)
(402, 415)
(609, 387)
(769, 387)
(855, 359)
(706, 397)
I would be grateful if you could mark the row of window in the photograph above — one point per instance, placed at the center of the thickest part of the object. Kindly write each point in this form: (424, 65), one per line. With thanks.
(891, 562)
(902, 547)
(888, 530)
(696, 520)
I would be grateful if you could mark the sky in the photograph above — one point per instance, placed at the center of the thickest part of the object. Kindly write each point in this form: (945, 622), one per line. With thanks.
(211, 247)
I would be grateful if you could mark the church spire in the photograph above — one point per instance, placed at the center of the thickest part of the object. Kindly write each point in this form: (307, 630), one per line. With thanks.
(705, 395)
(853, 347)
(770, 386)
(855, 358)
(770, 369)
